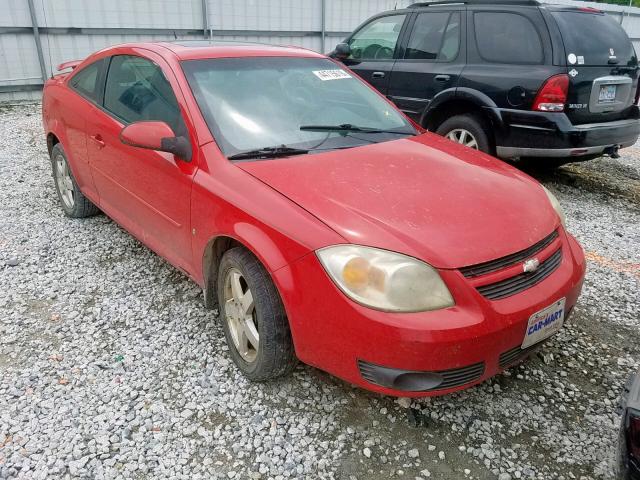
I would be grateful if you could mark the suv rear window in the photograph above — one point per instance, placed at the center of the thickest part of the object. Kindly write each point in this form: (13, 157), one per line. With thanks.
(592, 36)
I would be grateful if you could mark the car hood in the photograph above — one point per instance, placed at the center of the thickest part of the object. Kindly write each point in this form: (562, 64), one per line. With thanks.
(423, 196)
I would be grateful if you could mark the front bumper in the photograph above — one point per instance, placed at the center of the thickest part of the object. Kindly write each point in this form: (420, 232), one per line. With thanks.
(522, 133)
(476, 338)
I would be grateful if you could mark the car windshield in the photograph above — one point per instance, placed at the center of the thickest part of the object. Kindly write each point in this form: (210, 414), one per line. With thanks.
(269, 103)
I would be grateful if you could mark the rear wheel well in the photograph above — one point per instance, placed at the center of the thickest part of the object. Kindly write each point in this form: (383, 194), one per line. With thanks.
(52, 140)
(433, 119)
(210, 262)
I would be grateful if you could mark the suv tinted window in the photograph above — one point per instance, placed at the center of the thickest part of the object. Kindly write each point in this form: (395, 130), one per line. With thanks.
(435, 36)
(507, 38)
(85, 81)
(137, 90)
(377, 40)
(590, 36)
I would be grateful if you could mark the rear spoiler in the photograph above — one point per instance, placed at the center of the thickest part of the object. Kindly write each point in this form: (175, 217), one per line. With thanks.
(70, 64)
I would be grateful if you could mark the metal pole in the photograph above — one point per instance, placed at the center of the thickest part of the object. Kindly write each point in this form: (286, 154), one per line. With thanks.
(205, 19)
(36, 37)
(323, 22)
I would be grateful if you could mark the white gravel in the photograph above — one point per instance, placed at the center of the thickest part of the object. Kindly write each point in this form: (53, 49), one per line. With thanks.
(111, 368)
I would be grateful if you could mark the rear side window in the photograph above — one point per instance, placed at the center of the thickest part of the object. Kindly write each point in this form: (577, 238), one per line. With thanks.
(507, 38)
(137, 90)
(595, 39)
(435, 36)
(86, 81)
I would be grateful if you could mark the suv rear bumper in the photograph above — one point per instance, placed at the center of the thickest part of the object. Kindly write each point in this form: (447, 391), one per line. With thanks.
(543, 134)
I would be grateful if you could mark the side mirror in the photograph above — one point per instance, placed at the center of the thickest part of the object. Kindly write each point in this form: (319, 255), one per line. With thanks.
(156, 136)
(342, 51)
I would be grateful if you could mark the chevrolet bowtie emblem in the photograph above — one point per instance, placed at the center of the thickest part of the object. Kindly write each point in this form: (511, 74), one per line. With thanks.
(531, 265)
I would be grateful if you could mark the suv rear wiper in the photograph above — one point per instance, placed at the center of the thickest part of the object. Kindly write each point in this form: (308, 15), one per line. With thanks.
(269, 152)
(347, 127)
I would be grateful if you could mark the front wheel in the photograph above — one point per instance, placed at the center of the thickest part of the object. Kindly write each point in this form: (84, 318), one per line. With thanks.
(253, 317)
(468, 130)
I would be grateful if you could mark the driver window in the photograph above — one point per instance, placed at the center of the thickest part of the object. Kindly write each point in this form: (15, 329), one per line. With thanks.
(137, 90)
(377, 40)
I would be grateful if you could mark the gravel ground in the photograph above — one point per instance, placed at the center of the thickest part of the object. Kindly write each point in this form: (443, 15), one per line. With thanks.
(111, 368)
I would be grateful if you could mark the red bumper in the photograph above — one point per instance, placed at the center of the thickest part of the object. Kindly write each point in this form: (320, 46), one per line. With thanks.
(333, 333)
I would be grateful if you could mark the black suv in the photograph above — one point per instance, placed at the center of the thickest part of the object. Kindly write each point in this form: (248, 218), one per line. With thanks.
(514, 78)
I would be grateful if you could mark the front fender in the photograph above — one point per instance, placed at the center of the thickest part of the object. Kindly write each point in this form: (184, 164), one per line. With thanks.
(230, 207)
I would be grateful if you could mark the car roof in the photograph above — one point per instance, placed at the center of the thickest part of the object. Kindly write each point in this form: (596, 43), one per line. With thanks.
(200, 49)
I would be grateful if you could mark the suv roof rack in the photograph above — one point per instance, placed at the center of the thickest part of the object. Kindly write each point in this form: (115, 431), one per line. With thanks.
(475, 2)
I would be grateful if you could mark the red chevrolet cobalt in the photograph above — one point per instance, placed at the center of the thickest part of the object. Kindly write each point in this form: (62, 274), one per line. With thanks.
(326, 226)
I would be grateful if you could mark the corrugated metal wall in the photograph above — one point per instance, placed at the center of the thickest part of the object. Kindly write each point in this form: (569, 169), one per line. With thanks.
(72, 29)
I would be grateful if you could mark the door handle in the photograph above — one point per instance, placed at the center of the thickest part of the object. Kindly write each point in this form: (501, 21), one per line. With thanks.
(442, 78)
(97, 138)
(377, 75)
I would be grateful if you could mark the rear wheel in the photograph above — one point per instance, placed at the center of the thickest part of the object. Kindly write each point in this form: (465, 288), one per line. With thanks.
(73, 202)
(468, 130)
(253, 317)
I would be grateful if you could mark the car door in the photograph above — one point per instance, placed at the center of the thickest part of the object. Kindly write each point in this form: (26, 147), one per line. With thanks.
(146, 191)
(73, 108)
(430, 60)
(373, 49)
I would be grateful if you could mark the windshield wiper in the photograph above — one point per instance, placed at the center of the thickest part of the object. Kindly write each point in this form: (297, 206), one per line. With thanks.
(269, 152)
(347, 127)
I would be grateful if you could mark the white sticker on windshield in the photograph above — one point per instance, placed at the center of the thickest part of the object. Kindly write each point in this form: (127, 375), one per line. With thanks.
(580, 60)
(336, 74)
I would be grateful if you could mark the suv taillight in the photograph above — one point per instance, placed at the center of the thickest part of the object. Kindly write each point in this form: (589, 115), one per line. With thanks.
(553, 94)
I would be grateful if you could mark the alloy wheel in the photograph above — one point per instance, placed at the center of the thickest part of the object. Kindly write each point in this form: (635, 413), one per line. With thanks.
(464, 137)
(240, 315)
(64, 182)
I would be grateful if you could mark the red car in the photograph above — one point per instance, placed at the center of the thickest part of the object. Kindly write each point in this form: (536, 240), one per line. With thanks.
(326, 226)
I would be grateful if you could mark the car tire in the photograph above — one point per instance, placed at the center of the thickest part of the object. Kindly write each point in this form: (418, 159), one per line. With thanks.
(467, 129)
(73, 202)
(259, 319)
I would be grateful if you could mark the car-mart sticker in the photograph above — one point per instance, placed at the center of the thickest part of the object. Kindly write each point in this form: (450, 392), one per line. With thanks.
(336, 74)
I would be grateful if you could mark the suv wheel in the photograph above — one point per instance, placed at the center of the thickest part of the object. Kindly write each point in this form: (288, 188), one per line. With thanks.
(253, 317)
(467, 130)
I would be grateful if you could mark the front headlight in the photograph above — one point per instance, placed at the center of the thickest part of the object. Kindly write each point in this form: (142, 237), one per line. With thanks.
(555, 204)
(385, 280)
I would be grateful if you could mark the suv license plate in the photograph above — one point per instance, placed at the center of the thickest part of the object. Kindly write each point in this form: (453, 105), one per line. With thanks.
(607, 94)
(544, 323)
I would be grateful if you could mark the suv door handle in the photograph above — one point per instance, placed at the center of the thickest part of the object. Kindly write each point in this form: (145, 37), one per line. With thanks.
(97, 138)
(377, 75)
(442, 78)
